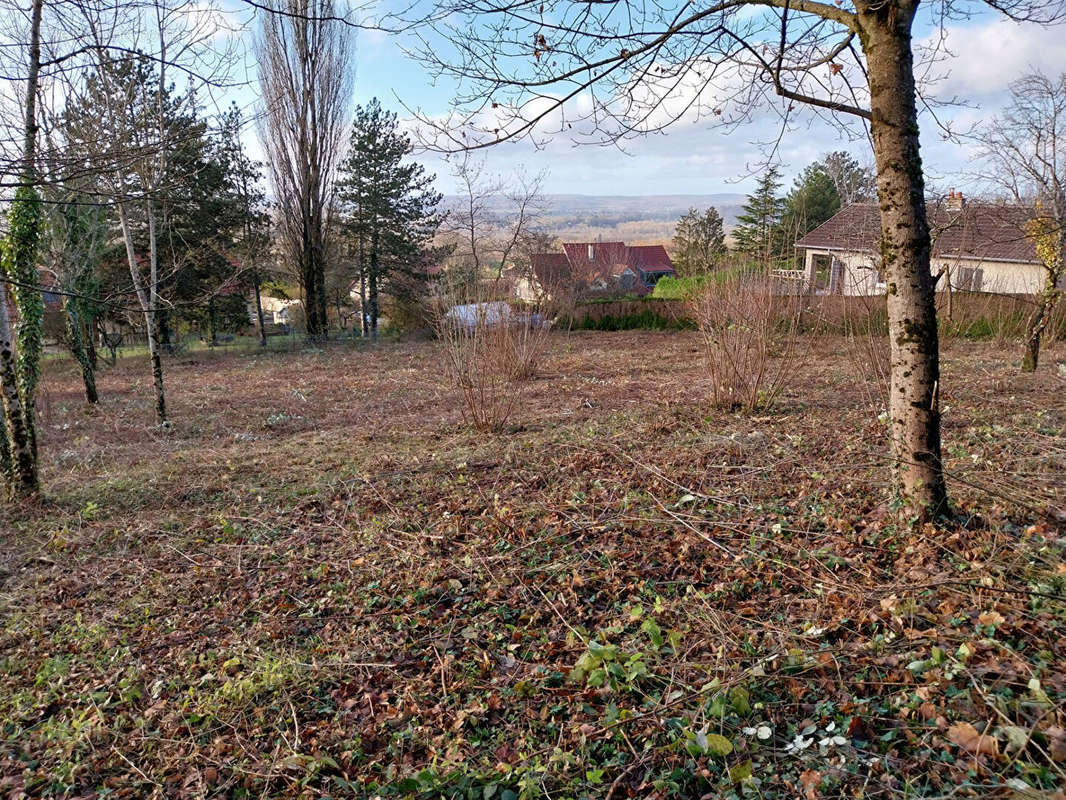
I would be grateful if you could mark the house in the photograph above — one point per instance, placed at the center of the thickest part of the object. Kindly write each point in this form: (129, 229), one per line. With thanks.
(596, 267)
(978, 247)
(275, 310)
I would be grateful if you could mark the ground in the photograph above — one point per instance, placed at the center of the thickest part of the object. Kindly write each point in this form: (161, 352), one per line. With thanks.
(322, 582)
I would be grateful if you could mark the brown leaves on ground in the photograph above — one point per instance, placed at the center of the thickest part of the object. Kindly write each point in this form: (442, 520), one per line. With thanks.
(321, 582)
(969, 739)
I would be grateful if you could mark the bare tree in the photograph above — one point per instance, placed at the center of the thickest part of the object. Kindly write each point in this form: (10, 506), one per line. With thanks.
(637, 67)
(131, 121)
(305, 57)
(1026, 146)
(492, 216)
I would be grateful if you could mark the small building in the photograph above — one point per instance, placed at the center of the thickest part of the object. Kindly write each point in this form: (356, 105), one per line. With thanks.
(978, 247)
(275, 310)
(596, 267)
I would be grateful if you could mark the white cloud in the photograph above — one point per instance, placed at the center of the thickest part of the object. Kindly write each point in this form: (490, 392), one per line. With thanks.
(981, 60)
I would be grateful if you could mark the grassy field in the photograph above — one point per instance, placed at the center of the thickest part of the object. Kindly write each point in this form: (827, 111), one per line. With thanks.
(321, 582)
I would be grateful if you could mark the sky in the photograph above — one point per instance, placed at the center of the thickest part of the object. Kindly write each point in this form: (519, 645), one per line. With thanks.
(980, 58)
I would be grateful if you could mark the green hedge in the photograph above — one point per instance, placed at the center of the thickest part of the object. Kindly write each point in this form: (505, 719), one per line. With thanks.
(646, 320)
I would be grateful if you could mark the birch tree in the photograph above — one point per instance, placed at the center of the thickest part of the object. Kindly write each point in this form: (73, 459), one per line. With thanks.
(132, 121)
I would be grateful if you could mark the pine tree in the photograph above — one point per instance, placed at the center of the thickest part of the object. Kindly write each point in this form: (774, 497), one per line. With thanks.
(699, 241)
(812, 200)
(390, 207)
(242, 185)
(756, 234)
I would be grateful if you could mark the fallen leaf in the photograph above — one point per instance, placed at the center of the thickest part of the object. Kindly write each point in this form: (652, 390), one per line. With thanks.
(811, 779)
(966, 736)
(990, 618)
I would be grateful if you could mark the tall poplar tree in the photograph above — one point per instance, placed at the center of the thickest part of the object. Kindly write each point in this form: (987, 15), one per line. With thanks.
(305, 59)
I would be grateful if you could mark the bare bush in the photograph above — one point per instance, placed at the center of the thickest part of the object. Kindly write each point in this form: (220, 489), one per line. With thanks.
(751, 338)
(490, 349)
(865, 324)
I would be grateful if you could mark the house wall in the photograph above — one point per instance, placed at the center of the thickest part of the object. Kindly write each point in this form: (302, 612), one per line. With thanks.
(858, 274)
(1000, 277)
(528, 290)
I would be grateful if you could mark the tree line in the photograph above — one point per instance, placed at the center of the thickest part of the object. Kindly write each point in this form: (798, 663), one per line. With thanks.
(770, 223)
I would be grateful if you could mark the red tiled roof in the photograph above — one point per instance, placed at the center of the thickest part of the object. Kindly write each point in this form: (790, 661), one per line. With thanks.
(649, 257)
(978, 231)
(611, 259)
(551, 269)
(605, 257)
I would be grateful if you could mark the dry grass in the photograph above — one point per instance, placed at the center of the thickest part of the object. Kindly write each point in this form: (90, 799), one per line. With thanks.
(324, 582)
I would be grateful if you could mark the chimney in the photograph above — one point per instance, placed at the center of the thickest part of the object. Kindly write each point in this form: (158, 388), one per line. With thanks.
(954, 201)
(592, 252)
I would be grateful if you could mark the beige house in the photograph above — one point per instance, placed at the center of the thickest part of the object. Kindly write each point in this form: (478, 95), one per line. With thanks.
(979, 247)
(275, 310)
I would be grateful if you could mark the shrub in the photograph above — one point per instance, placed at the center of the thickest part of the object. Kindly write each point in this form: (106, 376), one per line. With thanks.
(647, 320)
(490, 350)
(679, 288)
(750, 337)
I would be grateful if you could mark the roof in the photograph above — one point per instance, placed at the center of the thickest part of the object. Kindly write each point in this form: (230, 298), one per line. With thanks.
(609, 259)
(977, 230)
(605, 257)
(650, 258)
(551, 269)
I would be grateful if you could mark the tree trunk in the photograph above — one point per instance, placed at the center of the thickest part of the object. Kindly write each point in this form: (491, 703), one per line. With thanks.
(914, 408)
(364, 322)
(17, 455)
(374, 287)
(212, 321)
(20, 367)
(90, 343)
(1034, 330)
(164, 332)
(77, 348)
(314, 290)
(147, 300)
(259, 309)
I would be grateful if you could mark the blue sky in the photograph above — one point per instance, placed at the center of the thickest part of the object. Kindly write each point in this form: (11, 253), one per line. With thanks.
(981, 57)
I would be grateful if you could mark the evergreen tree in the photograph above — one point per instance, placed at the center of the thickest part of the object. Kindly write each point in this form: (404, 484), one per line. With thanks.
(699, 241)
(756, 233)
(390, 207)
(247, 220)
(812, 200)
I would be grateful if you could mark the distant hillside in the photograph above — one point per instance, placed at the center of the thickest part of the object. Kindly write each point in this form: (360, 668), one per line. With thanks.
(635, 219)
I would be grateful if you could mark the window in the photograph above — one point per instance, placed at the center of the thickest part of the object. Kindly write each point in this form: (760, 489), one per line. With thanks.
(968, 279)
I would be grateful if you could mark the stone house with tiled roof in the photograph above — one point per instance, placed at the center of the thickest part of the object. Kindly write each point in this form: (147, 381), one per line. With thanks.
(597, 267)
(978, 247)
